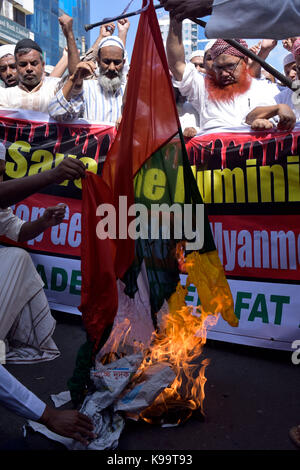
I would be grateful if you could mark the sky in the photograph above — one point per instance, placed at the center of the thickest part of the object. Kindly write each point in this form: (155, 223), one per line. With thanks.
(101, 9)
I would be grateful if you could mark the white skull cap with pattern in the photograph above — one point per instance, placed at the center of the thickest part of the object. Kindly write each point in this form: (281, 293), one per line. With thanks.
(198, 53)
(111, 41)
(7, 49)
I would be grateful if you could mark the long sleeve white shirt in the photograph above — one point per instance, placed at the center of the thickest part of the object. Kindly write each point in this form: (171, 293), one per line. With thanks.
(19, 399)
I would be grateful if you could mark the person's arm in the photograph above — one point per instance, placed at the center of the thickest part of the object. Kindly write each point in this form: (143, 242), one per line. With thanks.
(287, 118)
(66, 23)
(188, 8)
(52, 216)
(267, 45)
(16, 190)
(175, 49)
(61, 66)
(69, 423)
(75, 81)
(68, 102)
(123, 27)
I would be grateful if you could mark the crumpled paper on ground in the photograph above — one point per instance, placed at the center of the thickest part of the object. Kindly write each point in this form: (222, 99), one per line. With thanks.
(109, 381)
(113, 398)
(151, 383)
(61, 398)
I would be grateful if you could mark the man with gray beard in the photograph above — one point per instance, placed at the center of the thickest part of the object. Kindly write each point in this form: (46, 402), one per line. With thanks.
(95, 100)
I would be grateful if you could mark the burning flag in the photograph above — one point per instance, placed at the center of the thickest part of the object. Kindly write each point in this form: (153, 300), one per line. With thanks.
(148, 165)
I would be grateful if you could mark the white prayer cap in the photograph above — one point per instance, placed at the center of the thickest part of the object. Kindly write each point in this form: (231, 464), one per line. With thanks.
(209, 45)
(7, 49)
(198, 53)
(111, 41)
(2, 151)
(288, 59)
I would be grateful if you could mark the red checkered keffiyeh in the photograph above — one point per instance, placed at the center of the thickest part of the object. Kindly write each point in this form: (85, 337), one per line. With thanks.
(222, 47)
(296, 48)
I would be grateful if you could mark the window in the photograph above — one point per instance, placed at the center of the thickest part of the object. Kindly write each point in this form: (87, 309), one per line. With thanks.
(19, 17)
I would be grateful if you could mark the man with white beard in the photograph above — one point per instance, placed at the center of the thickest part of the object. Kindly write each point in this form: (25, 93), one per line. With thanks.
(95, 100)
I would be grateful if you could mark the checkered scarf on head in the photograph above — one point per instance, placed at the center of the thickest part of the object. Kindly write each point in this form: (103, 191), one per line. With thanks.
(296, 48)
(222, 47)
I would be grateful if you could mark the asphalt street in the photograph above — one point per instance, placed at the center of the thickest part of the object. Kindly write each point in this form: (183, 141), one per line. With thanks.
(252, 400)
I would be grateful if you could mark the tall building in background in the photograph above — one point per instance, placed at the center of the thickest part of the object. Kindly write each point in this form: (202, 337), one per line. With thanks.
(193, 36)
(47, 31)
(80, 12)
(13, 20)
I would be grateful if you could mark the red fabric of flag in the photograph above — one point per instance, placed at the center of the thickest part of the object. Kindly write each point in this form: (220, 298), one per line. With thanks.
(149, 120)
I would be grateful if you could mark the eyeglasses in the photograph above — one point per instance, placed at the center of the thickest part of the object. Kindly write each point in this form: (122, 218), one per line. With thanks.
(230, 68)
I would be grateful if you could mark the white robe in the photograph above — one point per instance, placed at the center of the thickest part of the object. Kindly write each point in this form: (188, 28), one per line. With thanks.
(216, 116)
(26, 323)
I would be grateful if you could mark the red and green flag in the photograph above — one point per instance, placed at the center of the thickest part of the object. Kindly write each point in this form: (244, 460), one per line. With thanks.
(147, 164)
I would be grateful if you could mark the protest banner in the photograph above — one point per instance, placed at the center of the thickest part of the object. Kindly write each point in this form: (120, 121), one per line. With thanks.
(250, 183)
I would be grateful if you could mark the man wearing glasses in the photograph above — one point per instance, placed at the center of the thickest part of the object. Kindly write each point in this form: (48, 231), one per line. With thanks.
(224, 97)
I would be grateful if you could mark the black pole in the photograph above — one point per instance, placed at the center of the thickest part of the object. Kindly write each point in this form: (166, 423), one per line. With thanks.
(87, 27)
(282, 78)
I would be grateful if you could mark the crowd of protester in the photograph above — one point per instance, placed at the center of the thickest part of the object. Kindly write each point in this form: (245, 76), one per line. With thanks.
(216, 88)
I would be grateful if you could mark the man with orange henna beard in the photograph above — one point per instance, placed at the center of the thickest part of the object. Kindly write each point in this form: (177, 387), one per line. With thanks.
(225, 96)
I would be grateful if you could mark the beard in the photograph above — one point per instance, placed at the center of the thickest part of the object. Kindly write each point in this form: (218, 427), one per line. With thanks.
(217, 92)
(110, 85)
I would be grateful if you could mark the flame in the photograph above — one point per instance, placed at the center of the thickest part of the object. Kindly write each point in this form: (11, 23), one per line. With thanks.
(180, 343)
(181, 337)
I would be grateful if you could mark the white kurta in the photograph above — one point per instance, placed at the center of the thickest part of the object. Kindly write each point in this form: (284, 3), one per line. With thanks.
(37, 100)
(26, 323)
(216, 115)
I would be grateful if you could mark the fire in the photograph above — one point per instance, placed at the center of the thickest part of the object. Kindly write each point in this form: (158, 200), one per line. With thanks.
(180, 344)
(181, 337)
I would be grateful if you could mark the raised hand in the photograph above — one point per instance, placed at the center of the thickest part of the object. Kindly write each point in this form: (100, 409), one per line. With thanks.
(107, 30)
(66, 23)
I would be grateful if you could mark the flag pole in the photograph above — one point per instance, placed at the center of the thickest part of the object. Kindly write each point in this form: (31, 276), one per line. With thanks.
(282, 78)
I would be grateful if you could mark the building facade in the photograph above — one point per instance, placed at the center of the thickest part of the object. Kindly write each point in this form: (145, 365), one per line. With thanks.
(47, 31)
(13, 20)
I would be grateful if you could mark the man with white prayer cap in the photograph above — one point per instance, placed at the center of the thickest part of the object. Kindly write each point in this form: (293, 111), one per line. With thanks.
(8, 66)
(197, 58)
(95, 100)
(289, 66)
